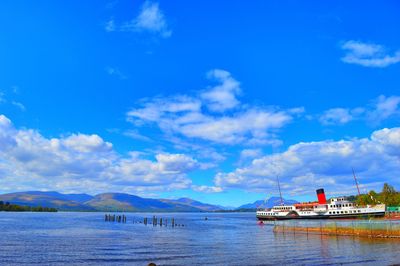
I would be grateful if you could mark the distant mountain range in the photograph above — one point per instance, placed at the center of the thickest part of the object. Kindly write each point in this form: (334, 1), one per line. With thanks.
(106, 202)
(120, 202)
(65, 202)
(269, 203)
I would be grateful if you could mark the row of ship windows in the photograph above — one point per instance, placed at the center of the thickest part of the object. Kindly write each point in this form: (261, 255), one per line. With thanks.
(340, 212)
(341, 205)
(265, 213)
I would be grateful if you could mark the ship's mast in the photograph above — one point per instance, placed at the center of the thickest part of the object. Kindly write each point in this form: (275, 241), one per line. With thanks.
(280, 193)
(355, 180)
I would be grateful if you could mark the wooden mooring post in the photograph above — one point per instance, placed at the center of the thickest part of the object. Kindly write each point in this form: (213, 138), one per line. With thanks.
(162, 222)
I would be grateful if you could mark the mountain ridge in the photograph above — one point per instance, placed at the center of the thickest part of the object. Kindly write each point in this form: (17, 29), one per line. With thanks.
(268, 203)
(112, 202)
(105, 202)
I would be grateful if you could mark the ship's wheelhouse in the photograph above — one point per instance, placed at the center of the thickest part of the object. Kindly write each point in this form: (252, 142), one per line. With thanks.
(340, 203)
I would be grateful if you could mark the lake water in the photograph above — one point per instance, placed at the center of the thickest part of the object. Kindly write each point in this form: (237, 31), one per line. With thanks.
(223, 239)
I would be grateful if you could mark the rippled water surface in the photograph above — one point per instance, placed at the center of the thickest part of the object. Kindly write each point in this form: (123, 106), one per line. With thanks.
(223, 239)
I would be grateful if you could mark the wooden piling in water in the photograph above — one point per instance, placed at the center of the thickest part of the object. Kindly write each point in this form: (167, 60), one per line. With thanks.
(155, 221)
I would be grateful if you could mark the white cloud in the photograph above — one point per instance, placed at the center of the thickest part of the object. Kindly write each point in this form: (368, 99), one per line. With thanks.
(85, 143)
(247, 154)
(209, 156)
(150, 19)
(251, 125)
(336, 116)
(176, 163)
(223, 96)
(81, 162)
(207, 189)
(380, 109)
(384, 107)
(154, 110)
(304, 167)
(134, 134)
(368, 55)
(19, 105)
(186, 116)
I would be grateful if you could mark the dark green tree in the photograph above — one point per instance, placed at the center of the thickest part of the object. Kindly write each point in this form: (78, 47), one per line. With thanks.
(389, 195)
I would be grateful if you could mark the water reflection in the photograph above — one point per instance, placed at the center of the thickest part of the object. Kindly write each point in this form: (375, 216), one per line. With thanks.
(222, 239)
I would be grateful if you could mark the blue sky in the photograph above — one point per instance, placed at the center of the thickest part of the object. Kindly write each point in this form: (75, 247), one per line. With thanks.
(201, 99)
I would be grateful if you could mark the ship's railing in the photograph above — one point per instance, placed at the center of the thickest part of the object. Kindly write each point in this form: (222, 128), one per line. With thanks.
(264, 209)
(376, 206)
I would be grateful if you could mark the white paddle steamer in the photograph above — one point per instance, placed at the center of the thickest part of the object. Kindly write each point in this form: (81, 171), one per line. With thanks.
(335, 208)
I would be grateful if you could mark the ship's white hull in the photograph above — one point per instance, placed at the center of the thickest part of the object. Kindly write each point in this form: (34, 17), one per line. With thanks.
(348, 213)
(339, 216)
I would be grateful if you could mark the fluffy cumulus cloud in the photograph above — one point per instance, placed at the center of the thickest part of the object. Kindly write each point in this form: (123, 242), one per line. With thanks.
(81, 162)
(151, 19)
(304, 167)
(222, 97)
(379, 109)
(368, 54)
(214, 114)
(248, 154)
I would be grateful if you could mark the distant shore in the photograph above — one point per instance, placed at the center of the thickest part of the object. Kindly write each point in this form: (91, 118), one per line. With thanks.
(8, 207)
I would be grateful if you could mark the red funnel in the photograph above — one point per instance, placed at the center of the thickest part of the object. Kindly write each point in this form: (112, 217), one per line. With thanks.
(321, 196)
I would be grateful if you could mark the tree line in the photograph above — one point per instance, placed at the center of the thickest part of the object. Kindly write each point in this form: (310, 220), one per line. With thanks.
(8, 207)
(388, 196)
